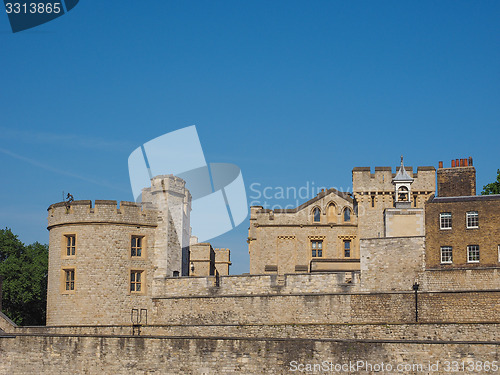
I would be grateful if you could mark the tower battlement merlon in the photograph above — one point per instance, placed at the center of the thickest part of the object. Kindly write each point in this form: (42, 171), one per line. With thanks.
(168, 183)
(363, 180)
(103, 211)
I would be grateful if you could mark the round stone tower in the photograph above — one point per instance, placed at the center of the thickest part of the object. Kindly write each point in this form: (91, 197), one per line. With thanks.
(103, 259)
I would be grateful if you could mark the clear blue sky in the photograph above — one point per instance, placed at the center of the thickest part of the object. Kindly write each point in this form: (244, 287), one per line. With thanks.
(294, 92)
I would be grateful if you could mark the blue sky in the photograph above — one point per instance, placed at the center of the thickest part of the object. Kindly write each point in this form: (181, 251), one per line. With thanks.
(296, 93)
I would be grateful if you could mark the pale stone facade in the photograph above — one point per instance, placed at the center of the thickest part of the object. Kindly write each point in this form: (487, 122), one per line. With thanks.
(309, 238)
(202, 259)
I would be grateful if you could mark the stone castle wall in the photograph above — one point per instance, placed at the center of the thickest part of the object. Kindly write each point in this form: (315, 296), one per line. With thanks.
(50, 354)
(448, 280)
(391, 263)
(342, 331)
(396, 307)
(250, 285)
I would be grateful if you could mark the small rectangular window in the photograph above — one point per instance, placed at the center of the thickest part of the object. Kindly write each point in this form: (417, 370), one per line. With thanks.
(70, 244)
(136, 281)
(446, 254)
(69, 279)
(347, 248)
(472, 219)
(317, 249)
(373, 200)
(473, 254)
(445, 220)
(136, 246)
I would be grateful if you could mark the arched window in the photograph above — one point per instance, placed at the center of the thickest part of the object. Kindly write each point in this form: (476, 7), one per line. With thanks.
(347, 214)
(317, 215)
(330, 213)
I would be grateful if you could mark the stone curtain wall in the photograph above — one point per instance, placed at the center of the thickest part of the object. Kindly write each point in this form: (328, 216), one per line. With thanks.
(378, 331)
(397, 307)
(448, 280)
(391, 263)
(125, 355)
(257, 284)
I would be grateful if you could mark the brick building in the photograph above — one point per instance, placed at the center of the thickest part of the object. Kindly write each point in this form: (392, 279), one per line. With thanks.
(462, 229)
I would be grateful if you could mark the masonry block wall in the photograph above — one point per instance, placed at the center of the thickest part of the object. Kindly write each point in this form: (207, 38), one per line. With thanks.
(210, 356)
(259, 285)
(351, 308)
(391, 263)
(202, 259)
(222, 261)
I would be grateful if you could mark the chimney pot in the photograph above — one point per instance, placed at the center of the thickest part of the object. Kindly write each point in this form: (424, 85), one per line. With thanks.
(440, 164)
(453, 163)
(470, 161)
(457, 163)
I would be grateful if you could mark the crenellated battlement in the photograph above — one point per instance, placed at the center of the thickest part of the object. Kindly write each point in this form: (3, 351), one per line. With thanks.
(168, 183)
(103, 211)
(363, 180)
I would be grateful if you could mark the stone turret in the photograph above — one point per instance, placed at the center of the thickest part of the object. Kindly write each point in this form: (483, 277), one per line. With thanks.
(106, 260)
(168, 195)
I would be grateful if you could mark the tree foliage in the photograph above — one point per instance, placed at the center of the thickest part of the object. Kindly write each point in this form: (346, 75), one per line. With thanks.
(492, 188)
(24, 271)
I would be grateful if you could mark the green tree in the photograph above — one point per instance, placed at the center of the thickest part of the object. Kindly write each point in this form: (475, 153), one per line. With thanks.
(494, 187)
(24, 271)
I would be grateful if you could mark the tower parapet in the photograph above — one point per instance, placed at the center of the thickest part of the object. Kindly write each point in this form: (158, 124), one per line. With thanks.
(374, 192)
(363, 180)
(104, 211)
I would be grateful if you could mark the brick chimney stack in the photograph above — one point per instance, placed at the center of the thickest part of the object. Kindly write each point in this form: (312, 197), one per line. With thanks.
(459, 180)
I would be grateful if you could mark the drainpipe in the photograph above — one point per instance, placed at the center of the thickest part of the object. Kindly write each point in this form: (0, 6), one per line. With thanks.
(415, 288)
